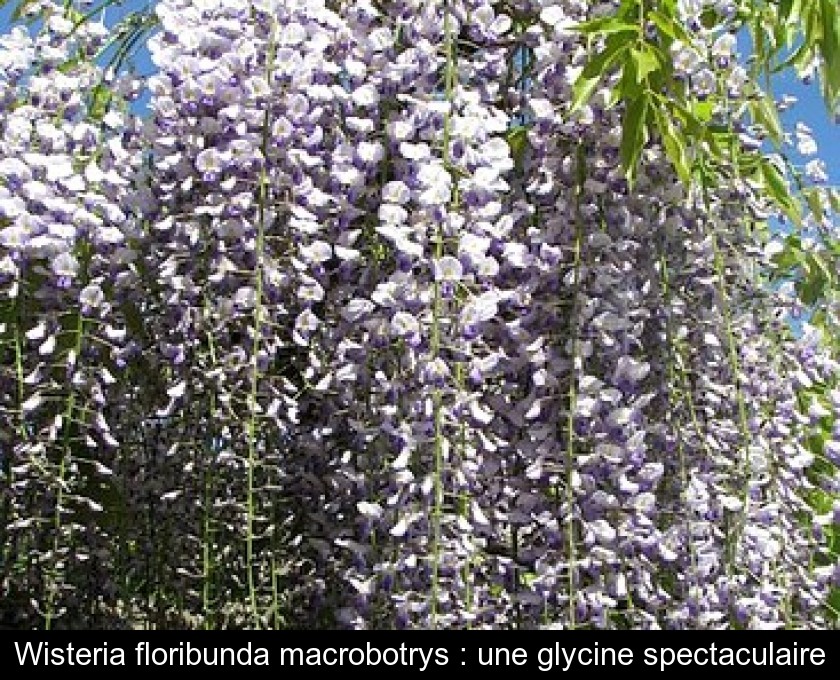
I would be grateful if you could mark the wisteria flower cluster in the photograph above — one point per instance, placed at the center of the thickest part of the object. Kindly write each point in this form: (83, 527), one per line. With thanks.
(349, 315)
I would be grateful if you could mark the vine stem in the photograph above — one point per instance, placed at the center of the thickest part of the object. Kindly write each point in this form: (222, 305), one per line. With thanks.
(572, 394)
(732, 537)
(676, 373)
(67, 422)
(207, 515)
(435, 341)
(8, 503)
(259, 252)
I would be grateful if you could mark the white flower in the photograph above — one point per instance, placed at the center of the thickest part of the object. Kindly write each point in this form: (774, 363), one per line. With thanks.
(365, 96)
(16, 169)
(685, 58)
(556, 17)
(723, 48)
(736, 80)
(380, 38)
(516, 254)
(356, 309)
(318, 252)
(447, 268)
(370, 152)
(396, 192)
(392, 214)
(177, 391)
(245, 297)
(543, 109)
(292, 35)
(404, 325)
(480, 309)
(209, 162)
(399, 130)
(435, 195)
(371, 510)
(815, 171)
(349, 176)
(32, 403)
(91, 296)
(805, 142)
(472, 246)
(415, 152)
(487, 267)
(305, 324)
(703, 83)
(13, 237)
(311, 291)
(65, 265)
(495, 150)
(433, 174)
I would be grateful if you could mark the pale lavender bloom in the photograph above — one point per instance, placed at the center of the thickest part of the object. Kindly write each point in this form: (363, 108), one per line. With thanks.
(703, 83)
(65, 265)
(91, 296)
(815, 170)
(447, 268)
(210, 163)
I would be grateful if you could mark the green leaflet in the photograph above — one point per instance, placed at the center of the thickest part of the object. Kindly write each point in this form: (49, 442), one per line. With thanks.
(605, 26)
(764, 113)
(830, 44)
(834, 200)
(645, 62)
(779, 191)
(817, 279)
(634, 136)
(517, 139)
(19, 11)
(814, 199)
(671, 28)
(675, 144)
(597, 67)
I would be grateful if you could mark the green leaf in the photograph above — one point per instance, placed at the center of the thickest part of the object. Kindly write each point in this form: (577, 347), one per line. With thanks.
(608, 29)
(582, 92)
(814, 199)
(596, 69)
(790, 11)
(818, 265)
(789, 258)
(779, 191)
(834, 200)
(630, 86)
(833, 604)
(817, 278)
(669, 27)
(675, 146)
(688, 119)
(18, 12)
(645, 62)
(634, 136)
(703, 110)
(764, 113)
(830, 45)
(798, 57)
(517, 139)
(100, 100)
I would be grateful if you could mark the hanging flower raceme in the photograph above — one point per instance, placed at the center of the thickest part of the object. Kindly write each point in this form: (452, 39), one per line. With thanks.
(66, 227)
(360, 321)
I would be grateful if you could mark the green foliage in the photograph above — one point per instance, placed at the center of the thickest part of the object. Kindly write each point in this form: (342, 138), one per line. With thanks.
(597, 68)
(634, 135)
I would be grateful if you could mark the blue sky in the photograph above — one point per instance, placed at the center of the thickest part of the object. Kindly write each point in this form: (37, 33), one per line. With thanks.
(809, 109)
